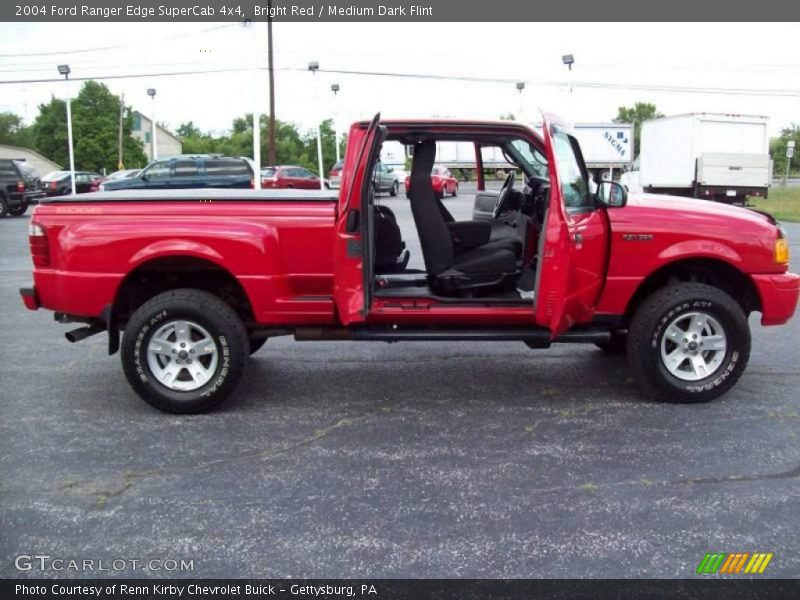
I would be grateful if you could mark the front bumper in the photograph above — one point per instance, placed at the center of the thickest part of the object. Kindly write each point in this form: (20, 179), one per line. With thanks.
(779, 294)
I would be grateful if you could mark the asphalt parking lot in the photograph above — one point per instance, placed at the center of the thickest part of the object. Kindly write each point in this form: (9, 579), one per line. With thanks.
(405, 460)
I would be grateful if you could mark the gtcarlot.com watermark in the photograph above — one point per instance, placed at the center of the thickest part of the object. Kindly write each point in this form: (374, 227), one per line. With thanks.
(46, 562)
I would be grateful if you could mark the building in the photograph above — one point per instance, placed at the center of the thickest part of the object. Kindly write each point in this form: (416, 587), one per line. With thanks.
(42, 165)
(168, 144)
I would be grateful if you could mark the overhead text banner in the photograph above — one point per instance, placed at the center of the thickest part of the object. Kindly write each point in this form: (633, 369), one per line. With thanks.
(416, 11)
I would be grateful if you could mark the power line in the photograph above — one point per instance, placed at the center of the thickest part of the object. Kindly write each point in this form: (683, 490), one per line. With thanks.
(787, 92)
(118, 46)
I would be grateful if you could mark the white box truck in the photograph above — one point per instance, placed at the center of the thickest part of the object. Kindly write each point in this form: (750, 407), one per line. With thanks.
(713, 156)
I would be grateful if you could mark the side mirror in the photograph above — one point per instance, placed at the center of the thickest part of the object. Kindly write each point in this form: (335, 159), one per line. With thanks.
(611, 194)
(353, 221)
(143, 176)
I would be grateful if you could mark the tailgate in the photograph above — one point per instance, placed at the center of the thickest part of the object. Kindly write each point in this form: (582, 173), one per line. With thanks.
(733, 170)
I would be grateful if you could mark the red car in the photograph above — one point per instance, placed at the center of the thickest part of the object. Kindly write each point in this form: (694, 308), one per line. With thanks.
(444, 184)
(288, 177)
(197, 280)
(94, 186)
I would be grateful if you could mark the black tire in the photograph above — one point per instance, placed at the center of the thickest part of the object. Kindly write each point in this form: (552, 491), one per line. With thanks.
(648, 327)
(3, 207)
(256, 344)
(208, 311)
(455, 190)
(393, 191)
(618, 344)
(18, 211)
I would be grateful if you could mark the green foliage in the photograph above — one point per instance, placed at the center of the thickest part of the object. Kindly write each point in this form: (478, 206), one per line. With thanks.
(777, 149)
(637, 114)
(292, 147)
(95, 129)
(13, 132)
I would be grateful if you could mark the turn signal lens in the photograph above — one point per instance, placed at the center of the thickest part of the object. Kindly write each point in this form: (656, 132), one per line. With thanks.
(781, 251)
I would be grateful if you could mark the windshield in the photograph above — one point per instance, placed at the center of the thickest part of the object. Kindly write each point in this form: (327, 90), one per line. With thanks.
(530, 156)
(25, 169)
(268, 172)
(55, 175)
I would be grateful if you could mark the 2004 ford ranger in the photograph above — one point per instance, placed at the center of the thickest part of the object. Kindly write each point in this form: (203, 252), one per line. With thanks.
(196, 280)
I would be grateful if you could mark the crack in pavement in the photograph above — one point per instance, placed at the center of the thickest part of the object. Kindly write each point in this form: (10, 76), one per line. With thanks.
(116, 486)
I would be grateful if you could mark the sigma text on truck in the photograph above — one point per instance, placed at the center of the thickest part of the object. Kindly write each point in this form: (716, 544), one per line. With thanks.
(719, 157)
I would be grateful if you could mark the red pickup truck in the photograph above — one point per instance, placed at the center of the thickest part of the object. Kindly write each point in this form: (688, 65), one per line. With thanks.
(198, 279)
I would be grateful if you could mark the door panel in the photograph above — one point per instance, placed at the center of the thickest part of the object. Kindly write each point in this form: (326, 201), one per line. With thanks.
(574, 245)
(483, 209)
(350, 294)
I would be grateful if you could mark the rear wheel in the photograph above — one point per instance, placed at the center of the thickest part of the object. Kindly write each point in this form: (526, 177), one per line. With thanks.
(3, 207)
(184, 351)
(455, 190)
(688, 343)
(393, 192)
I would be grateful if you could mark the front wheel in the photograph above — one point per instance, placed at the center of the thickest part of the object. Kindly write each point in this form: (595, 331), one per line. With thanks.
(18, 211)
(184, 351)
(394, 189)
(688, 343)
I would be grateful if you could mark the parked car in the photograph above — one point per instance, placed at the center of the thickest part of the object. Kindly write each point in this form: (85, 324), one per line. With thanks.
(197, 288)
(188, 171)
(385, 180)
(19, 186)
(289, 177)
(59, 183)
(124, 174)
(444, 184)
(335, 175)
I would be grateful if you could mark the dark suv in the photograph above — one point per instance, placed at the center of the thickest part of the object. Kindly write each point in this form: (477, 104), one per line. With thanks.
(195, 171)
(19, 186)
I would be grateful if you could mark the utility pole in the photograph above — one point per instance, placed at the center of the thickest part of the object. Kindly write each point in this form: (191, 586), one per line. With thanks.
(789, 155)
(120, 163)
(153, 142)
(270, 67)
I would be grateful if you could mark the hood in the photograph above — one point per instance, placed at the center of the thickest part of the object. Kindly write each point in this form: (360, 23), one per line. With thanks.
(671, 206)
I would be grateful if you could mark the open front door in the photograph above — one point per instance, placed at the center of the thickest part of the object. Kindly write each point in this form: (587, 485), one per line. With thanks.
(575, 245)
(354, 242)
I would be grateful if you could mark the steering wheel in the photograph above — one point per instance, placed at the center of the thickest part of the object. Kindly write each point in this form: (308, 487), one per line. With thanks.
(505, 193)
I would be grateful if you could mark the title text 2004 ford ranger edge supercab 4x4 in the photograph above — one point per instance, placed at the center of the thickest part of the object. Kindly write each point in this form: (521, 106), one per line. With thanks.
(199, 279)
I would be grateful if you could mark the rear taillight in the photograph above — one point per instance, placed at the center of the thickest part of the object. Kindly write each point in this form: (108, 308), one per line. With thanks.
(20, 186)
(40, 250)
(53, 185)
(252, 184)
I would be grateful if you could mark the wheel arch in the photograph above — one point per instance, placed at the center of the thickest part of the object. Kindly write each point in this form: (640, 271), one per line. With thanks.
(712, 271)
(165, 272)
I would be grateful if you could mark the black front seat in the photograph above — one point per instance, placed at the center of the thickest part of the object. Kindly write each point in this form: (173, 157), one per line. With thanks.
(480, 267)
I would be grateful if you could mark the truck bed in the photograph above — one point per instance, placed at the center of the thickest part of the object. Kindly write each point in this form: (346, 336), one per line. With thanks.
(200, 195)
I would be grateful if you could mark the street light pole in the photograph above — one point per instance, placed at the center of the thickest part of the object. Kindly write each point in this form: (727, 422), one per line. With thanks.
(520, 89)
(569, 60)
(256, 114)
(314, 67)
(153, 142)
(335, 89)
(65, 71)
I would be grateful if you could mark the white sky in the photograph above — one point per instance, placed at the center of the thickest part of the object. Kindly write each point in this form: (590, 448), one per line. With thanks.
(748, 55)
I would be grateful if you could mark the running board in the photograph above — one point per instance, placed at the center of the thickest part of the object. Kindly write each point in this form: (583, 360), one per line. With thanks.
(534, 337)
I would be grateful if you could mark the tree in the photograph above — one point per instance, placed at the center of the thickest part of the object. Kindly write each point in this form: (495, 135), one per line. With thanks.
(13, 131)
(95, 127)
(637, 114)
(777, 149)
